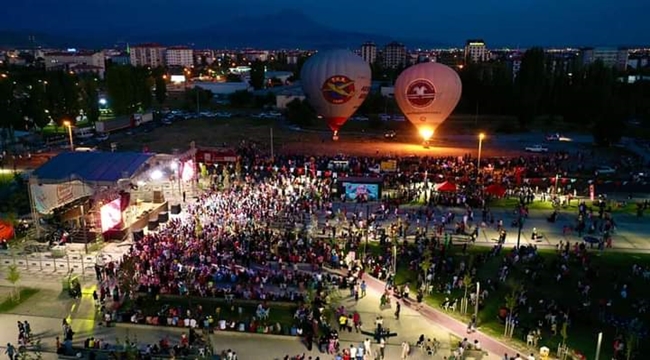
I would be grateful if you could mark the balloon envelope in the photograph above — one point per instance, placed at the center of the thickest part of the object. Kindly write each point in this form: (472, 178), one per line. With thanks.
(427, 93)
(335, 83)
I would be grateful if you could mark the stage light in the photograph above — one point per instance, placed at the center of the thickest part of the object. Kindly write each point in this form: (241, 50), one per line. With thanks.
(174, 165)
(156, 175)
(141, 183)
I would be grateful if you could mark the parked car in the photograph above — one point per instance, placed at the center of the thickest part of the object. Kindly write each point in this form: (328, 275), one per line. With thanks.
(224, 115)
(390, 134)
(604, 170)
(384, 117)
(536, 149)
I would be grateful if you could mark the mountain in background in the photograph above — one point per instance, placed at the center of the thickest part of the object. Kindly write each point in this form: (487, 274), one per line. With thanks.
(284, 29)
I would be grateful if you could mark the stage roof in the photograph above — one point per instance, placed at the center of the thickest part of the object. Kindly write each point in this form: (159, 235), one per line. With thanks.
(91, 166)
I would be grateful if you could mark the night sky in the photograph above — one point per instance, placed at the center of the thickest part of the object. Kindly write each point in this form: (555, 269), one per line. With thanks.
(500, 22)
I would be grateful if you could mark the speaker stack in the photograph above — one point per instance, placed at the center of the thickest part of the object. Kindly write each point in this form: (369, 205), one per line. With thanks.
(163, 217)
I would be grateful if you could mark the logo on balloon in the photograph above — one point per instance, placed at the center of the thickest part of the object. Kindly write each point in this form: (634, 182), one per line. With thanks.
(338, 89)
(420, 93)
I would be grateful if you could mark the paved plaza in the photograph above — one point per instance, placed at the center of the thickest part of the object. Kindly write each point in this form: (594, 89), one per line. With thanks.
(47, 308)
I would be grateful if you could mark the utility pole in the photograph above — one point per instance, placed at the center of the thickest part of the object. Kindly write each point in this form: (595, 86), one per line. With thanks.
(478, 292)
(272, 143)
(519, 225)
(600, 342)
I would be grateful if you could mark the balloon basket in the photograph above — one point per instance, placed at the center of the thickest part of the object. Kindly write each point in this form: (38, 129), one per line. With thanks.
(335, 137)
(426, 144)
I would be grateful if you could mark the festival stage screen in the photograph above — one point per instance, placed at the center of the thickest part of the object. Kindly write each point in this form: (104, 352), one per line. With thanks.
(366, 192)
(111, 214)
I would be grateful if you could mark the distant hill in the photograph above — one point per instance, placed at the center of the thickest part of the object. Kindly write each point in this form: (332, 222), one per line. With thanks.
(22, 39)
(284, 29)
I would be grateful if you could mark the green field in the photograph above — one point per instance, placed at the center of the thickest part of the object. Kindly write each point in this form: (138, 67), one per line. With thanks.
(607, 270)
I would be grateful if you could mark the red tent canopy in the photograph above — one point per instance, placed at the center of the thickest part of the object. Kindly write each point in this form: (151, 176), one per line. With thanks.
(446, 186)
(6, 230)
(496, 190)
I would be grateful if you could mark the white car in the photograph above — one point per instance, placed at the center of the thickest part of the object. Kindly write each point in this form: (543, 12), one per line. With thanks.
(224, 115)
(536, 149)
(604, 170)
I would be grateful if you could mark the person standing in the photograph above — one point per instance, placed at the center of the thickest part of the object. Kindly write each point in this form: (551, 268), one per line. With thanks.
(367, 346)
(11, 351)
(363, 287)
(397, 310)
(382, 347)
(406, 349)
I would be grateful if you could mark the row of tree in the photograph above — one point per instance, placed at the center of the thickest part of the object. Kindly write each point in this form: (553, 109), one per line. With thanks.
(34, 97)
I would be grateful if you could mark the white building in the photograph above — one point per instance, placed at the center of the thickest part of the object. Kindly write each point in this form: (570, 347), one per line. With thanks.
(181, 56)
(369, 52)
(152, 55)
(394, 55)
(476, 51)
(69, 59)
(284, 97)
(611, 57)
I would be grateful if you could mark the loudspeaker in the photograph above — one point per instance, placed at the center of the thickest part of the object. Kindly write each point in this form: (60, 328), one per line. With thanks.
(138, 235)
(163, 217)
(158, 197)
(153, 225)
(176, 209)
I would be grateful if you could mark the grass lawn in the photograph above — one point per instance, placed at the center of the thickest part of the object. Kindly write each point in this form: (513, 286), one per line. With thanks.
(511, 203)
(9, 304)
(611, 268)
(280, 312)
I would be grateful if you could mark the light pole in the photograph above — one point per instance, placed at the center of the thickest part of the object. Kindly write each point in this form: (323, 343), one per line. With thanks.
(68, 124)
(519, 225)
(600, 341)
(478, 294)
(481, 136)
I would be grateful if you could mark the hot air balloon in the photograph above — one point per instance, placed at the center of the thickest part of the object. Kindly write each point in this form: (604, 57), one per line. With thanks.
(427, 93)
(335, 82)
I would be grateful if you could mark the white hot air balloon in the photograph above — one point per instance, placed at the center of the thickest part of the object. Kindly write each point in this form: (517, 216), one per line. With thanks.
(335, 82)
(427, 93)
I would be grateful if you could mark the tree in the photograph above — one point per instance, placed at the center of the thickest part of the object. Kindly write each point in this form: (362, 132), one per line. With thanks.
(300, 113)
(425, 265)
(120, 90)
(13, 276)
(34, 106)
(241, 98)
(511, 304)
(258, 75)
(90, 99)
(467, 284)
(196, 96)
(161, 89)
(530, 84)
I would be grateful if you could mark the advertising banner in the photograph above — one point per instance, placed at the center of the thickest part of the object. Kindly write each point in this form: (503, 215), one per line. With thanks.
(389, 166)
(48, 197)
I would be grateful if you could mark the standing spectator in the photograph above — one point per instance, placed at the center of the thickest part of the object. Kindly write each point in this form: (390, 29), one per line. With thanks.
(11, 351)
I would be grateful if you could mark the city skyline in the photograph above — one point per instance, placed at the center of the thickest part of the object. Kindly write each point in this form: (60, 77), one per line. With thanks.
(506, 23)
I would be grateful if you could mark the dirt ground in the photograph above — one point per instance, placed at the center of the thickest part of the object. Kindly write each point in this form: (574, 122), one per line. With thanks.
(211, 132)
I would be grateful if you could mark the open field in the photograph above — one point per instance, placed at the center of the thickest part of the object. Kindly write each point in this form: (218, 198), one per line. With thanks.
(604, 272)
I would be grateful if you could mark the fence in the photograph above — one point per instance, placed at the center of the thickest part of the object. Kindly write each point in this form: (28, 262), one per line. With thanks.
(53, 261)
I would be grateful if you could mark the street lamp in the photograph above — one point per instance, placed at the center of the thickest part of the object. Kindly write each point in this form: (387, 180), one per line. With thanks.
(69, 125)
(481, 136)
(520, 224)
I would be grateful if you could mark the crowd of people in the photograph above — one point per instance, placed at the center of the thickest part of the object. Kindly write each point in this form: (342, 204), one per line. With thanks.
(250, 236)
